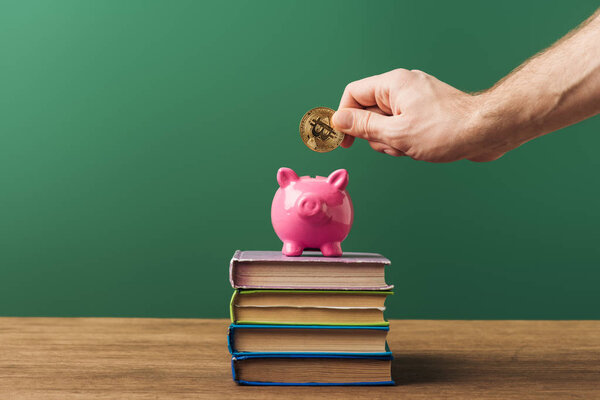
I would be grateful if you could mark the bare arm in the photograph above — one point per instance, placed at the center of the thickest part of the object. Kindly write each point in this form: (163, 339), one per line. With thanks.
(412, 113)
(557, 88)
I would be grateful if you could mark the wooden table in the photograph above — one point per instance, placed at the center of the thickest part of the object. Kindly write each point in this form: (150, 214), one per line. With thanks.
(66, 358)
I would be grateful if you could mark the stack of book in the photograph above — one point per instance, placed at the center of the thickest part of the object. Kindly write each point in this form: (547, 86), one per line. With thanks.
(309, 320)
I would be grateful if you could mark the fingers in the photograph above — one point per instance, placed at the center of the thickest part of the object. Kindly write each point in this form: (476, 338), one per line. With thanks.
(376, 110)
(360, 123)
(373, 91)
(377, 146)
(367, 92)
(347, 142)
(348, 139)
(360, 94)
(365, 110)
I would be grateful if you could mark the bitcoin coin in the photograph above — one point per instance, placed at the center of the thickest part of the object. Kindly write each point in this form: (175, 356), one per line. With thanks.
(316, 131)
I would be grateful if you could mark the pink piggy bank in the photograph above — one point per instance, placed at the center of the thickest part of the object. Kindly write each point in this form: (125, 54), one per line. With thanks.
(312, 213)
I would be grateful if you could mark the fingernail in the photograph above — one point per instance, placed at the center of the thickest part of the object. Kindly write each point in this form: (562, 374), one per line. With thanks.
(389, 152)
(343, 119)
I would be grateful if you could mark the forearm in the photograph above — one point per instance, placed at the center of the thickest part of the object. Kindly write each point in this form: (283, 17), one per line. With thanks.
(555, 89)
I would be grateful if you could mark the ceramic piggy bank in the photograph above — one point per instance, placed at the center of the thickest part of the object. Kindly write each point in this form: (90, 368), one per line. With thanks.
(312, 213)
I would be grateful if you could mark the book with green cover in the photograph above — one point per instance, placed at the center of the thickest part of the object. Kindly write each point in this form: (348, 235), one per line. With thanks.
(309, 307)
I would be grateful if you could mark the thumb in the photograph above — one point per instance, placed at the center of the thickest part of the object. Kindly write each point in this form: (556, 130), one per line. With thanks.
(360, 123)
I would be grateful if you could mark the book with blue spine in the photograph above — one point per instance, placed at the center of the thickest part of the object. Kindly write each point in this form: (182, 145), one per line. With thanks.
(324, 369)
(307, 339)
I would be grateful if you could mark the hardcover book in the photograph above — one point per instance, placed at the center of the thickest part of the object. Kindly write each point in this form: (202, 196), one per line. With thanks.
(308, 307)
(316, 370)
(307, 339)
(273, 270)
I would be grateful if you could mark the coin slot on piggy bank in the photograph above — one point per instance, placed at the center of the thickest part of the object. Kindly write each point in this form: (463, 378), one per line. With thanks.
(312, 213)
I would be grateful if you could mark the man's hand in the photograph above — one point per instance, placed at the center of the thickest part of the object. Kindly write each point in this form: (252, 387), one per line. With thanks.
(412, 113)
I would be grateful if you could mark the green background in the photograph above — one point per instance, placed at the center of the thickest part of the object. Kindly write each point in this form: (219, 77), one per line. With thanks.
(139, 142)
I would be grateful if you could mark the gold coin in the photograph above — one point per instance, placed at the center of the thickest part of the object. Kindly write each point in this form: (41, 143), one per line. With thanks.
(316, 131)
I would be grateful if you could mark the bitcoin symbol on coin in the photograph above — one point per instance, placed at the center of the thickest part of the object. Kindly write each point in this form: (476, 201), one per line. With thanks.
(316, 131)
(324, 132)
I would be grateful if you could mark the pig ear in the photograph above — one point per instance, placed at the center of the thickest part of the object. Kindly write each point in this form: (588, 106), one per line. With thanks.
(339, 179)
(285, 176)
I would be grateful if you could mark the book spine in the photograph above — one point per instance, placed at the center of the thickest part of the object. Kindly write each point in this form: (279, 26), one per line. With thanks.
(230, 344)
(232, 306)
(232, 265)
(233, 372)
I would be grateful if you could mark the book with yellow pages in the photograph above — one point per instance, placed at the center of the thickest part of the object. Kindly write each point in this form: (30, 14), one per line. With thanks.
(273, 270)
(311, 369)
(307, 339)
(308, 307)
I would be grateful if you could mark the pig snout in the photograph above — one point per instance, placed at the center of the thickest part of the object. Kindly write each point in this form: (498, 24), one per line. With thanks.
(310, 206)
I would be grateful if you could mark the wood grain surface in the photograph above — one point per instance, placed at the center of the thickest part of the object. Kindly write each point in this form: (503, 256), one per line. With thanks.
(113, 358)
